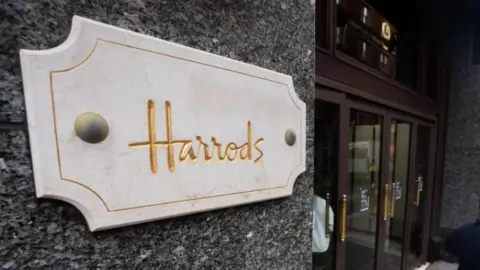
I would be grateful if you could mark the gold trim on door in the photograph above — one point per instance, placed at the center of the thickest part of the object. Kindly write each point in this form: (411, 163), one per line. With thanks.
(385, 202)
(343, 224)
(419, 183)
(392, 199)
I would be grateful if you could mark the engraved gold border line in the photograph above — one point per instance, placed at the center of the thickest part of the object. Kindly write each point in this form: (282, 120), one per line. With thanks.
(191, 61)
(156, 204)
(58, 148)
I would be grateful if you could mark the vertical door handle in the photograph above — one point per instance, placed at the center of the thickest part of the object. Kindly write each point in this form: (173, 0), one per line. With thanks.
(385, 202)
(371, 207)
(327, 215)
(343, 224)
(392, 200)
(419, 183)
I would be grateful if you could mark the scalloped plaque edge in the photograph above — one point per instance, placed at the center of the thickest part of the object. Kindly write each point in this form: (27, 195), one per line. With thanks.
(36, 93)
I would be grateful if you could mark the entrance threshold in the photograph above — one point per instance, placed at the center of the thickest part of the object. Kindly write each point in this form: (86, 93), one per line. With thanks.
(440, 265)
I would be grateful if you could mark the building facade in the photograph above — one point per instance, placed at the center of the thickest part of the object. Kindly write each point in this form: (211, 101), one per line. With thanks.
(396, 97)
(50, 234)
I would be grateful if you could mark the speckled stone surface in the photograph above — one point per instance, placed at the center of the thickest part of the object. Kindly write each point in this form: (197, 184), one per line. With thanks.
(43, 234)
(461, 185)
(277, 35)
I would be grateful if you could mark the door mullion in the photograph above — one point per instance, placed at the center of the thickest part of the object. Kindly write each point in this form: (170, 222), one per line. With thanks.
(410, 193)
(428, 206)
(342, 179)
(381, 225)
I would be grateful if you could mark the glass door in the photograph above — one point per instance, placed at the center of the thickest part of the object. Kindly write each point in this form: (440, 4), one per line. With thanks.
(372, 169)
(347, 204)
(419, 195)
(363, 189)
(409, 165)
(326, 180)
(399, 161)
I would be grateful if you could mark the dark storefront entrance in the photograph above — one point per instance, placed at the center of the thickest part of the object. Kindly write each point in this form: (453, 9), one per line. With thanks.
(376, 169)
(379, 125)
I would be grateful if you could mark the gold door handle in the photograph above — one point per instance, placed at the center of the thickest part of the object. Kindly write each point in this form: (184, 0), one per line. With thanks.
(327, 215)
(343, 228)
(392, 200)
(385, 202)
(419, 183)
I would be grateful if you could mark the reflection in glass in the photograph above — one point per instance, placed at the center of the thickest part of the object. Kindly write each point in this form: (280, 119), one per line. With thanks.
(325, 184)
(321, 24)
(399, 158)
(364, 33)
(422, 162)
(363, 189)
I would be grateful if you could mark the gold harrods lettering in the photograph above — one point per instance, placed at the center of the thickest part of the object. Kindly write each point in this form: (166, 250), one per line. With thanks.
(230, 153)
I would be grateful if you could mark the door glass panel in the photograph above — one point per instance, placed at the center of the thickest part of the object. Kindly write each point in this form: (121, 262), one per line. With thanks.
(399, 160)
(325, 184)
(419, 213)
(363, 189)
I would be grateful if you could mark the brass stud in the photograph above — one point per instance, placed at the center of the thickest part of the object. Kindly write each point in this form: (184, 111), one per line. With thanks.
(290, 137)
(91, 127)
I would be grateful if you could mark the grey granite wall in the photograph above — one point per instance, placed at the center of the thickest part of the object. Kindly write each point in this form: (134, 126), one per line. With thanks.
(42, 234)
(461, 183)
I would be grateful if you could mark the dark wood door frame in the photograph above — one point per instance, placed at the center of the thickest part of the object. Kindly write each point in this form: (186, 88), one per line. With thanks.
(332, 70)
(412, 191)
(412, 146)
(346, 101)
(389, 114)
(435, 114)
(340, 99)
(350, 90)
(430, 191)
(385, 139)
(335, 67)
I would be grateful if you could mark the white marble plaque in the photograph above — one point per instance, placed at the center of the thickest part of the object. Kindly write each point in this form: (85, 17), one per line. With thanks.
(188, 131)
